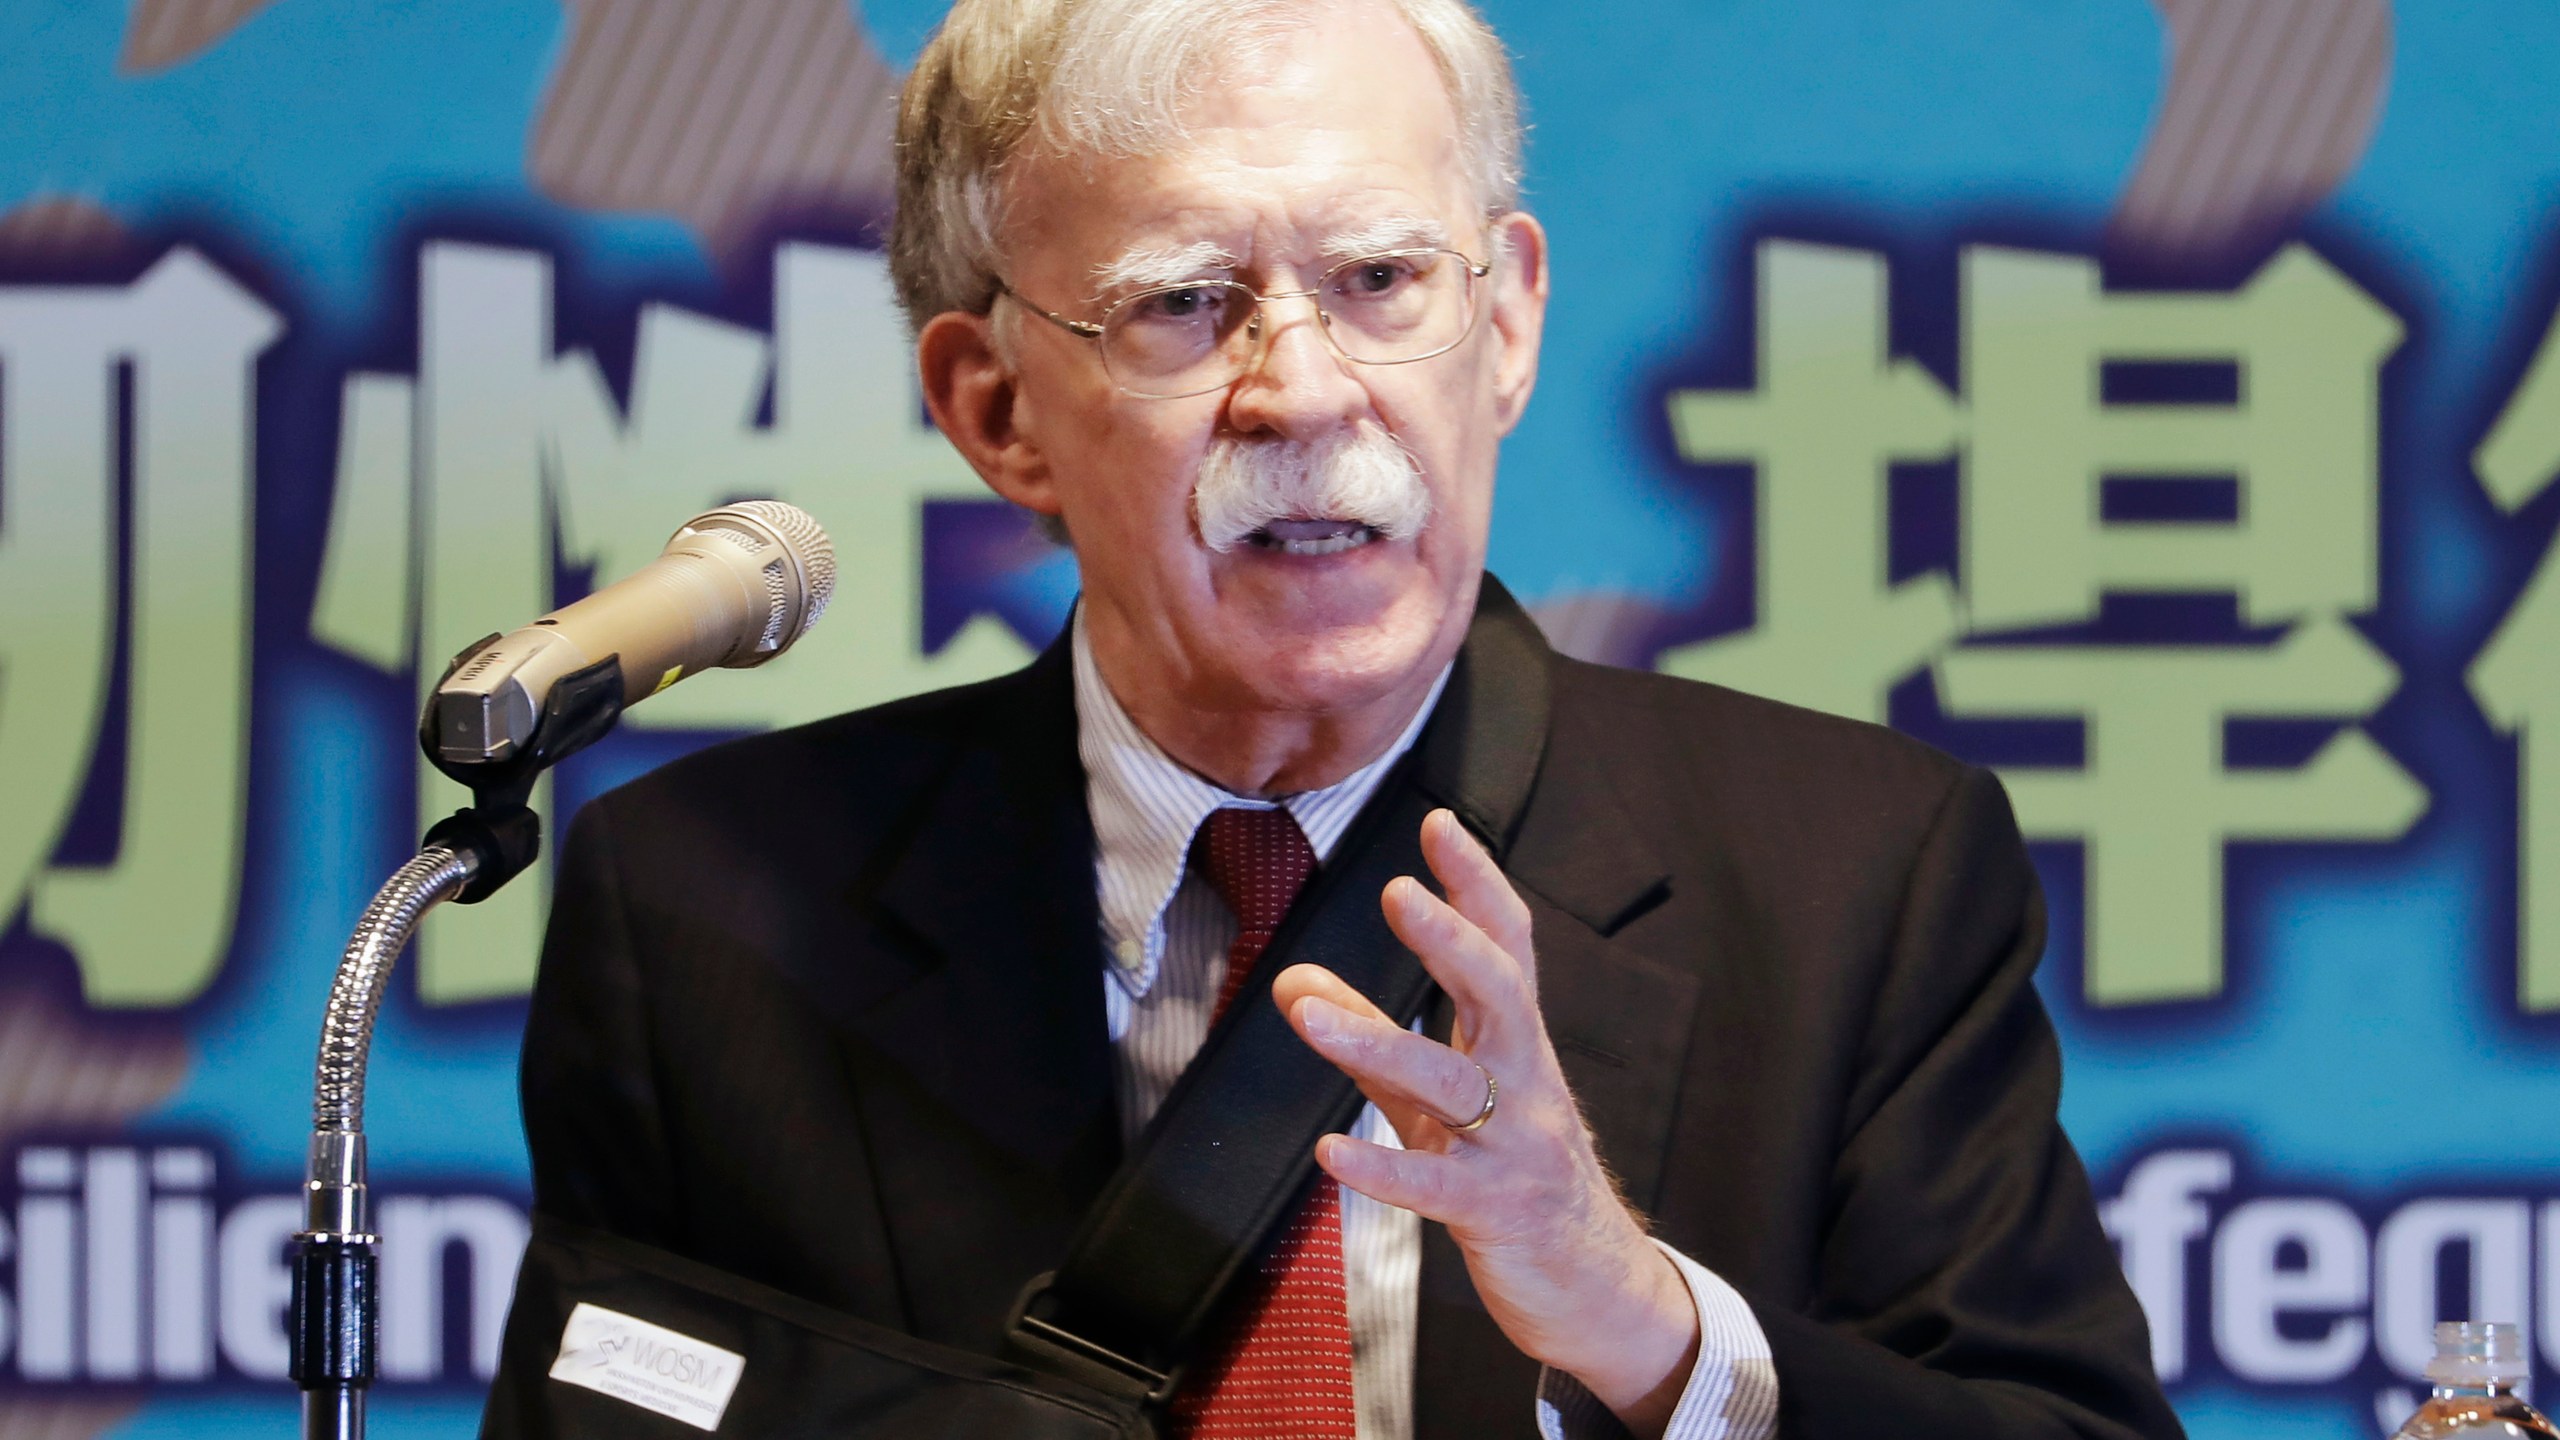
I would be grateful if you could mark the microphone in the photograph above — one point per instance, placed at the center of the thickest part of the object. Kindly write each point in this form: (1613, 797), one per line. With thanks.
(734, 588)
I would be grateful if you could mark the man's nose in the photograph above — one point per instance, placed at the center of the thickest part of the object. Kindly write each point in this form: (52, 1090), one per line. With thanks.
(1298, 385)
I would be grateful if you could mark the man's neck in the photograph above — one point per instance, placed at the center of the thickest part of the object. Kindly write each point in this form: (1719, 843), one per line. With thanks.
(1257, 752)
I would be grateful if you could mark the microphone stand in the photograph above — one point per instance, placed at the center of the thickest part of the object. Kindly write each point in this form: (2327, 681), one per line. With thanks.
(336, 1311)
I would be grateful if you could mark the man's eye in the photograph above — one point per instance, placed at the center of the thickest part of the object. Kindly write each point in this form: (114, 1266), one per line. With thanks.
(1376, 277)
(1191, 302)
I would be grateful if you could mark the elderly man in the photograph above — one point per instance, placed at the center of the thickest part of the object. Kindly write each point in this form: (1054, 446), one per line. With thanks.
(1237, 296)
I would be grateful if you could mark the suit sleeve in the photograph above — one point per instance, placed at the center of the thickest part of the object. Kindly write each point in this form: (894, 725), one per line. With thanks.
(591, 1113)
(1964, 1286)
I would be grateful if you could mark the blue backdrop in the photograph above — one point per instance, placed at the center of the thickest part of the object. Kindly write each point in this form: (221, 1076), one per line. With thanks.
(2148, 400)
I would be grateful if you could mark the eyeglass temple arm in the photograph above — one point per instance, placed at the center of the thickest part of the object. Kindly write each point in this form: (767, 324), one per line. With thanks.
(1084, 328)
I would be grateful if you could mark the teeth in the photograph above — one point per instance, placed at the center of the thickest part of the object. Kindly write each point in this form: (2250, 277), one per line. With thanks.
(1326, 545)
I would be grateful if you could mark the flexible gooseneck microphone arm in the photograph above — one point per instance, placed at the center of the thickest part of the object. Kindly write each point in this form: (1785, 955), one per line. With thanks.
(334, 1309)
(735, 587)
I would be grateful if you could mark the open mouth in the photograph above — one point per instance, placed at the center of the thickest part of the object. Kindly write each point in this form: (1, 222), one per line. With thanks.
(1312, 537)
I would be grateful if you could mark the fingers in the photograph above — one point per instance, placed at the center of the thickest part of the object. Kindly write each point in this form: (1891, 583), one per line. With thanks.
(1298, 982)
(1345, 1029)
(1497, 1010)
(1461, 957)
(1401, 1072)
(1477, 887)
(1295, 988)
(1431, 1186)
(1476, 944)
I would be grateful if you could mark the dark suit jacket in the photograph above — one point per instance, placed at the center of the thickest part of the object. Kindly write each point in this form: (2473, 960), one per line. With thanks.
(823, 1008)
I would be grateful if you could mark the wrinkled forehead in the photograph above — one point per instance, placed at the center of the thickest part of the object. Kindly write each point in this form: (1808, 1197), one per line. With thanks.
(1319, 140)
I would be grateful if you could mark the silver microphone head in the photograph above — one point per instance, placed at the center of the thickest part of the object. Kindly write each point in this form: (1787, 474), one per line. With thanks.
(799, 575)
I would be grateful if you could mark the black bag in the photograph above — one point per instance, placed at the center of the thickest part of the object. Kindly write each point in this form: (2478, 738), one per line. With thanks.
(1095, 1348)
(809, 1371)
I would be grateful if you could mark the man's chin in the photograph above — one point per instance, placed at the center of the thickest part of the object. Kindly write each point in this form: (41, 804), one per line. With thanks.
(1323, 681)
(1328, 656)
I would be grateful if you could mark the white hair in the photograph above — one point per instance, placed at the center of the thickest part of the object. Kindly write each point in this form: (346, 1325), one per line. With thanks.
(1113, 77)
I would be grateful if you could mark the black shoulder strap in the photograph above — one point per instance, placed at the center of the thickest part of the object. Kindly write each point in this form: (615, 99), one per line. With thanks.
(1233, 1146)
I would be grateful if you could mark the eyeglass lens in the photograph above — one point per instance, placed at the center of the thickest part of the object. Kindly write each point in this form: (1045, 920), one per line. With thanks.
(1377, 309)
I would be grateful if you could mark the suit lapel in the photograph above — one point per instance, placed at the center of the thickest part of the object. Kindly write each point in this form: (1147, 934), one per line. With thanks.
(1620, 1018)
(983, 1063)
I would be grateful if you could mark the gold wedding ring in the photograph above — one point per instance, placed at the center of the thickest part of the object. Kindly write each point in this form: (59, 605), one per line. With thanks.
(1491, 1092)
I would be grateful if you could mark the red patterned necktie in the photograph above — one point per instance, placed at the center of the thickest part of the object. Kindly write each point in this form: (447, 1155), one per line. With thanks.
(1277, 1366)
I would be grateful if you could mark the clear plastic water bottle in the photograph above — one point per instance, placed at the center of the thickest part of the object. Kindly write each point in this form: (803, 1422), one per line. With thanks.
(2477, 1368)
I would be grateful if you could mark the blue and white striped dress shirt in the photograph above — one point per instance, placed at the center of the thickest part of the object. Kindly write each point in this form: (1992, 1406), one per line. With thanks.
(1165, 935)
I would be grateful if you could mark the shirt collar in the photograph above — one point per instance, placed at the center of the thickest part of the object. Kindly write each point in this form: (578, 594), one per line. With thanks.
(1146, 807)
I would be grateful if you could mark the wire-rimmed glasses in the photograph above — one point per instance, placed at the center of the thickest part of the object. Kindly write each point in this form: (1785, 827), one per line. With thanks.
(1172, 341)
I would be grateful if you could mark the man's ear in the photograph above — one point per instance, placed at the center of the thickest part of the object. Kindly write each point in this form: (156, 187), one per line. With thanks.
(974, 398)
(1519, 311)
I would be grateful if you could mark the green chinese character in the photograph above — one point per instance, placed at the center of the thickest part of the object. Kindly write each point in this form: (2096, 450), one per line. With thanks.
(151, 927)
(1832, 411)
(2516, 678)
(2154, 806)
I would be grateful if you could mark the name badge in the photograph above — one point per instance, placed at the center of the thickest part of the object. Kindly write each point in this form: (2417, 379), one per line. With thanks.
(647, 1365)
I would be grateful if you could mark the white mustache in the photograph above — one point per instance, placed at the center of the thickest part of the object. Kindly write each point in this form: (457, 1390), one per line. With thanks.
(1362, 475)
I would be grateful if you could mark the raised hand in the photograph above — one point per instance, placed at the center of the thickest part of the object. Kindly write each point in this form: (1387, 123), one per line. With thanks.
(1559, 1259)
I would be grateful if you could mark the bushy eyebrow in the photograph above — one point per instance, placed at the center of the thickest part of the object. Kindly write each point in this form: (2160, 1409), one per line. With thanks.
(1145, 266)
(1407, 231)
